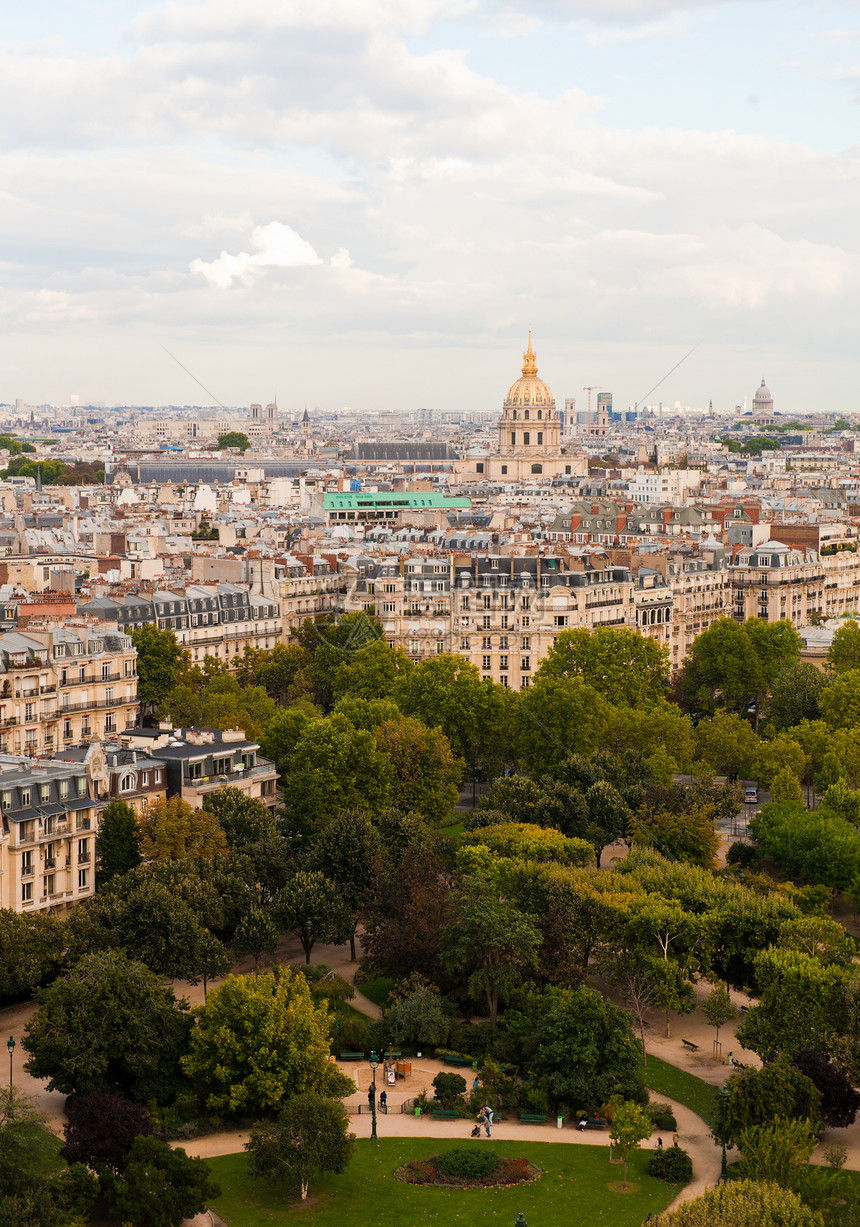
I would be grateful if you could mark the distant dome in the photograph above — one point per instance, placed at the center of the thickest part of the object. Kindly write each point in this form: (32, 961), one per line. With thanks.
(762, 398)
(529, 390)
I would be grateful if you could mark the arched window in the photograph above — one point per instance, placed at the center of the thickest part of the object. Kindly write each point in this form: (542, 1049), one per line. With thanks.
(537, 468)
(540, 414)
(515, 414)
(527, 415)
(128, 783)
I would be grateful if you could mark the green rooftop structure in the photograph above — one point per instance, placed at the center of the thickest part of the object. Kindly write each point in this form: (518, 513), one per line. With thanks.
(389, 505)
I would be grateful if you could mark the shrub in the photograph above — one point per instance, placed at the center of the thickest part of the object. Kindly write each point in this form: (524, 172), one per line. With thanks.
(349, 1034)
(673, 1165)
(467, 1164)
(448, 1088)
(665, 1122)
(745, 856)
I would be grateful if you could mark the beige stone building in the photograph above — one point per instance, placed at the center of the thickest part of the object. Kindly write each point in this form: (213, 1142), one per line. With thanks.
(63, 684)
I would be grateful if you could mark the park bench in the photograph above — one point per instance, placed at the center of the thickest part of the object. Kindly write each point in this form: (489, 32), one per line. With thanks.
(738, 1065)
(445, 1114)
(596, 1122)
(532, 1118)
(455, 1061)
(689, 1044)
(351, 1056)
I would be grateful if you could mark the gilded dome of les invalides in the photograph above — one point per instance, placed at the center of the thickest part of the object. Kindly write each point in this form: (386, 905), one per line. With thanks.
(529, 390)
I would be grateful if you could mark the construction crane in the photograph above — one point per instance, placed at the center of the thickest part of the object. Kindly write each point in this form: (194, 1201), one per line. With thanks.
(595, 387)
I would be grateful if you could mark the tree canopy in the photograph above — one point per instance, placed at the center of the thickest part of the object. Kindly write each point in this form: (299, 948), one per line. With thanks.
(621, 665)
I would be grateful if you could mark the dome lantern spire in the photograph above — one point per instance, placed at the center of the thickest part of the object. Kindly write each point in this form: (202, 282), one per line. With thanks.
(529, 360)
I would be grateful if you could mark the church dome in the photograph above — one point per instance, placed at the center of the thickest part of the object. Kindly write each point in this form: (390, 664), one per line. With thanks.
(529, 390)
(762, 396)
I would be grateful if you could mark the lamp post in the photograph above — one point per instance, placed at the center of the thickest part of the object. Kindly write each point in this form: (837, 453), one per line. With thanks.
(10, 1044)
(724, 1096)
(374, 1062)
(521, 1222)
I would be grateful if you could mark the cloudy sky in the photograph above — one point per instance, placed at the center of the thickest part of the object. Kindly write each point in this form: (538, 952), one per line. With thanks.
(369, 202)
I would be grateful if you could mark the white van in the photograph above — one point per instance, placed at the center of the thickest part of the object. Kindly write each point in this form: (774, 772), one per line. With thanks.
(751, 795)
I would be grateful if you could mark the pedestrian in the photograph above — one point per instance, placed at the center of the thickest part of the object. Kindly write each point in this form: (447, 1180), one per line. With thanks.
(659, 1143)
(488, 1117)
(729, 1059)
(383, 1101)
(674, 1139)
(371, 1095)
(482, 1120)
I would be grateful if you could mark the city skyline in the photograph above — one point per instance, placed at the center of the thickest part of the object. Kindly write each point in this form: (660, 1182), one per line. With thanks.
(369, 205)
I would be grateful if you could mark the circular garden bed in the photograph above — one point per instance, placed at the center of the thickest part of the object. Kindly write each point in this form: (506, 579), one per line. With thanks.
(468, 1169)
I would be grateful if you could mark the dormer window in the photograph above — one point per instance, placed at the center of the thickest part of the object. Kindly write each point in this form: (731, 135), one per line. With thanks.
(128, 782)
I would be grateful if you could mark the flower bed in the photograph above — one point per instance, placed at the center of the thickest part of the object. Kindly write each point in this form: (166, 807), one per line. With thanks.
(504, 1172)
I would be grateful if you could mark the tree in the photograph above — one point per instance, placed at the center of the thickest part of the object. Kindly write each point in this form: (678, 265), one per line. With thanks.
(336, 766)
(256, 934)
(785, 786)
(844, 652)
(839, 1100)
(426, 774)
(101, 1127)
(794, 696)
(578, 1046)
(556, 718)
(777, 1152)
(421, 1017)
(410, 906)
(284, 732)
(728, 745)
(259, 1040)
(800, 1002)
(839, 703)
(159, 1186)
(108, 1024)
(117, 842)
(31, 950)
(371, 673)
(744, 1203)
(173, 830)
(313, 908)
(758, 1096)
(719, 1009)
(722, 668)
(213, 698)
(345, 851)
(244, 820)
(629, 1126)
(233, 438)
(820, 847)
(777, 645)
(527, 842)
(448, 693)
(686, 837)
(310, 1138)
(160, 661)
(491, 939)
(779, 754)
(609, 816)
(283, 672)
(623, 666)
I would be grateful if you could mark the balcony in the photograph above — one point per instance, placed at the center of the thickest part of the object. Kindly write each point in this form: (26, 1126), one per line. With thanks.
(85, 859)
(50, 863)
(27, 871)
(83, 824)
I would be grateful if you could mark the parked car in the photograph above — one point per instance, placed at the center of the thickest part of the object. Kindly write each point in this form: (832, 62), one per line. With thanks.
(751, 794)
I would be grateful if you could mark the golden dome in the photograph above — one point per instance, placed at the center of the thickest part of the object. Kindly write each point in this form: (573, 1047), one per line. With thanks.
(529, 390)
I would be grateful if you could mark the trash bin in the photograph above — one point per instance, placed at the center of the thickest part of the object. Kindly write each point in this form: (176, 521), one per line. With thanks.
(559, 1121)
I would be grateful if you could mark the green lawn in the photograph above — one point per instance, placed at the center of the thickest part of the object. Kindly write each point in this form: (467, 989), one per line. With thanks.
(574, 1192)
(700, 1097)
(378, 990)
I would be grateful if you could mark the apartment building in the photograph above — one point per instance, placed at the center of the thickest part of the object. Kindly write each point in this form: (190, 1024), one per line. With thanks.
(63, 684)
(202, 761)
(48, 823)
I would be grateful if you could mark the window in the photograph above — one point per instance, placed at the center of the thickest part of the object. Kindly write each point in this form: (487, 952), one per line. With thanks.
(45, 792)
(128, 783)
(526, 643)
(486, 621)
(83, 876)
(464, 645)
(29, 711)
(105, 672)
(560, 620)
(83, 851)
(540, 440)
(144, 779)
(503, 642)
(464, 602)
(25, 797)
(504, 470)
(526, 604)
(64, 788)
(48, 888)
(158, 773)
(26, 892)
(504, 680)
(526, 438)
(486, 643)
(6, 799)
(537, 468)
(525, 664)
(487, 662)
(503, 662)
(514, 438)
(82, 785)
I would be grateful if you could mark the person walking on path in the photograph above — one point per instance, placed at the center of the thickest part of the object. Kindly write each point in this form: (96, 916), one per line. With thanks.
(383, 1101)
(487, 1114)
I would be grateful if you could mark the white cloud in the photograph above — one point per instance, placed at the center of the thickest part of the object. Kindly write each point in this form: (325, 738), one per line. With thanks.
(276, 246)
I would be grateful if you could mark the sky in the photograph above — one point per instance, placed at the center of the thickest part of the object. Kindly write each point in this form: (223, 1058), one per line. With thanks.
(368, 203)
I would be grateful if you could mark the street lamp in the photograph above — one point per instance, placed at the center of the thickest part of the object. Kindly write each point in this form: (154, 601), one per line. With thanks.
(10, 1044)
(521, 1222)
(374, 1062)
(724, 1097)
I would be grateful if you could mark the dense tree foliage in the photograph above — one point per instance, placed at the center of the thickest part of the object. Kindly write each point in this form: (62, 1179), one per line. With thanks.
(623, 666)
